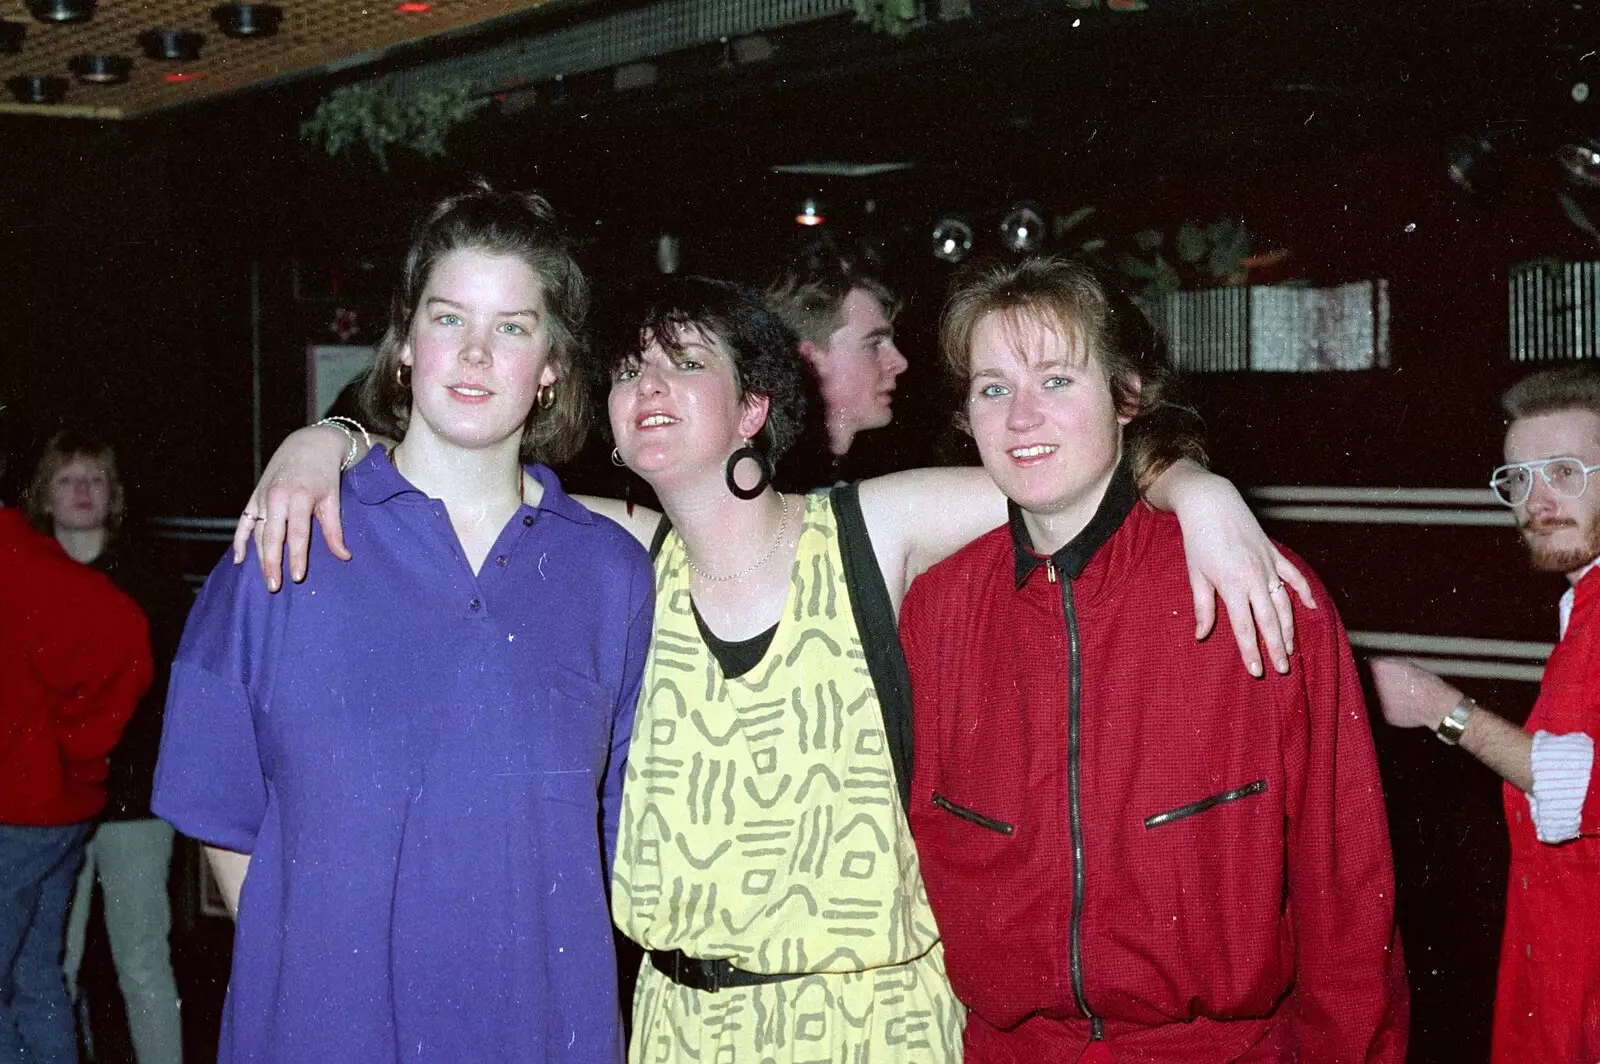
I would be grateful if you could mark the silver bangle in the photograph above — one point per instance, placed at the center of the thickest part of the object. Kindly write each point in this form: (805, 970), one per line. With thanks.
(1454, 725)
(345, 425)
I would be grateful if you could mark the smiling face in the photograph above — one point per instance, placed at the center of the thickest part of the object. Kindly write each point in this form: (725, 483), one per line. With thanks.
(1042, 414)
(479, 350)
(676, 415)
(1563, 535)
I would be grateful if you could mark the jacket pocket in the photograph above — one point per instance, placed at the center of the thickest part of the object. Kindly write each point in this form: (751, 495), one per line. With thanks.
(1204, 804)
(970, 816)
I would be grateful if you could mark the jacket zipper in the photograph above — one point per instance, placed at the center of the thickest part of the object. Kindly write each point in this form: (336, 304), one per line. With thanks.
(1204, 804)
(1074, 811)
(971, 815)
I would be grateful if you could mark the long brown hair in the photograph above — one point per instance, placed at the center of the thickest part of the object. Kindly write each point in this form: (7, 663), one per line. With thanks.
(520, 225)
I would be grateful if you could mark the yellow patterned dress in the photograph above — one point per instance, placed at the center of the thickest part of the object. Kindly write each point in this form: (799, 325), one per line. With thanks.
(761, 825)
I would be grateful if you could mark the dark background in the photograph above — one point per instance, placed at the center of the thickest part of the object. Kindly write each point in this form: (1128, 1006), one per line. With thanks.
(143, 266)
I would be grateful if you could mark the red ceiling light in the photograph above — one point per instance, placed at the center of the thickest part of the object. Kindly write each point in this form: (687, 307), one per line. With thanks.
(179, 77)
(810, 212)
(413, 7)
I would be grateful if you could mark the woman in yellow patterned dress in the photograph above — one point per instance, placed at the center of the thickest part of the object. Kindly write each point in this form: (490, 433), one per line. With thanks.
(764, 858)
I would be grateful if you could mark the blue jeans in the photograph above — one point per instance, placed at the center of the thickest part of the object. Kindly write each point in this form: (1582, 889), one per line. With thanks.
(37, 867)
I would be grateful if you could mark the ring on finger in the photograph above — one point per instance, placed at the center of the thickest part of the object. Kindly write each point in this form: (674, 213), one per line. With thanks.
(1272, 589)
(253, 518)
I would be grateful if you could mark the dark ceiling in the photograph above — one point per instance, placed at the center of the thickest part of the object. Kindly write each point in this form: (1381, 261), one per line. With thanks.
(313, 37)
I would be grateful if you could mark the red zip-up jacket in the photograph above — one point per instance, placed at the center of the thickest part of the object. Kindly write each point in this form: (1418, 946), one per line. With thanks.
(1135, 851)
(74, 661)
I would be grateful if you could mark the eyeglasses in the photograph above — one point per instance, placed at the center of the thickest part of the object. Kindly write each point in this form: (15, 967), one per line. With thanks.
(1567, 477)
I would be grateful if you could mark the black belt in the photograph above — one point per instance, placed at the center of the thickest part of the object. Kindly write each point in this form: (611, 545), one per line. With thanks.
(697, 973)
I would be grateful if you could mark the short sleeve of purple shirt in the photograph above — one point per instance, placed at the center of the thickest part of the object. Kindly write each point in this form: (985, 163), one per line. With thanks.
(425, 764)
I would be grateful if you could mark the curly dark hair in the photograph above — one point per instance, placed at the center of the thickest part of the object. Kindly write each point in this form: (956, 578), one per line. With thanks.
(758, 343)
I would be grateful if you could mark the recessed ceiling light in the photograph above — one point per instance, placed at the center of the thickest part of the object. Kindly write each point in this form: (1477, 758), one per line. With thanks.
(37, 88)
(62, 10)
(952, 239)
(1022, 229)
(181, 46)
(180, 77)
(101, 69)
(413, 7)
(247, 20)
(11, 34)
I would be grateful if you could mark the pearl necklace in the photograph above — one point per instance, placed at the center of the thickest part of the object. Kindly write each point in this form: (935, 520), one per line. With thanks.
(772, 548)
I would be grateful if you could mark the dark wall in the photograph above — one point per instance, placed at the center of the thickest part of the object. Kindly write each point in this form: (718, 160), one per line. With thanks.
(146, 270)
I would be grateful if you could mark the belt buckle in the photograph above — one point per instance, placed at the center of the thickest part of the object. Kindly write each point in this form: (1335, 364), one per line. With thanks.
(694, 972)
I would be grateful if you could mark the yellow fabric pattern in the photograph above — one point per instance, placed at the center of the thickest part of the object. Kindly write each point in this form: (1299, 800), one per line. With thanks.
(761, 825)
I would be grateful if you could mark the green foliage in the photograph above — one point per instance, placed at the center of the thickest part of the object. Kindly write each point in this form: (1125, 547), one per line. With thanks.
(894, 17)
(1196, 256)
(374, 117)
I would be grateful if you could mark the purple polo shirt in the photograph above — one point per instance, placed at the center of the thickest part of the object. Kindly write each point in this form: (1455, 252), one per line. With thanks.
(422, 763)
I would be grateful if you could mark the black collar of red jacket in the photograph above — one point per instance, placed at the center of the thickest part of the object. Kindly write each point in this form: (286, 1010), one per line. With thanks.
(1071, 560)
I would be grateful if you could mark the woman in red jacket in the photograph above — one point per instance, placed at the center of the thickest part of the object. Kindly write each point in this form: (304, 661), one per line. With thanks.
(1136, 851)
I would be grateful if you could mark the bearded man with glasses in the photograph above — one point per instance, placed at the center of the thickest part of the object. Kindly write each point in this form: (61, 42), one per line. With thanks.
(1547, 1007)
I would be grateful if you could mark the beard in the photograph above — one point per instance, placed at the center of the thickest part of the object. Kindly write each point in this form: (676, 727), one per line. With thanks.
(1548, 558)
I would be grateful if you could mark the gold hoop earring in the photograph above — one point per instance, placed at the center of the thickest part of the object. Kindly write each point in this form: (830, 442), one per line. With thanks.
(400, 375)
(546, 397)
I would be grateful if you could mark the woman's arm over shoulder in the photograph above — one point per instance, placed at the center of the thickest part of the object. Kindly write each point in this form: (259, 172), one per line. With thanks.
(1231, 558)
(919, 518)
(301, 481)
(640, 521)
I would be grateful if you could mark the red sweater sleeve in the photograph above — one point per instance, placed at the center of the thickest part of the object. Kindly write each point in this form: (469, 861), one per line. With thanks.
(100, 675)
(1351, 1001)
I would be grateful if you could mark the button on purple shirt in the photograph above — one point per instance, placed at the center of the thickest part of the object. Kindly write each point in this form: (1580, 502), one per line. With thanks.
(426, 767)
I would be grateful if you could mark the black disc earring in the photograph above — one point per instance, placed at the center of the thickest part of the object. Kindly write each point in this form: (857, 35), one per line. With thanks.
(761, 461)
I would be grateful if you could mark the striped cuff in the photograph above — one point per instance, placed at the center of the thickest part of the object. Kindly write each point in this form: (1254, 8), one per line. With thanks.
(1561, 769)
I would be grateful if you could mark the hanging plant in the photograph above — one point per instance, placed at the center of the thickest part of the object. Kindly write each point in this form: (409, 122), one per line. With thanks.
(1199, 257)
(375, 117)
(894, 17)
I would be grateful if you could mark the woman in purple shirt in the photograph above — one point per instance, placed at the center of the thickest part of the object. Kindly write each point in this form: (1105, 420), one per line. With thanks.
(406, 769)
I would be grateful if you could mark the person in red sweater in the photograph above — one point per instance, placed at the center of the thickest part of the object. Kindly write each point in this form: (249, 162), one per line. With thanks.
(1135, 850)
(74, 661)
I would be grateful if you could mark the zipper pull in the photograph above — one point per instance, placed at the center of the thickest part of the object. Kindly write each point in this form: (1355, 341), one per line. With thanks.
(1050, 571)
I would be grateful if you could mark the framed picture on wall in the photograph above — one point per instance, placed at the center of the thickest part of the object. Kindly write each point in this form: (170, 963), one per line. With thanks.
(330, 369)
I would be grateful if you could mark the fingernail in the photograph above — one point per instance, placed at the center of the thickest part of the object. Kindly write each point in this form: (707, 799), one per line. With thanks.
(1283, 665)
(1255, 669)
(272, 583)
